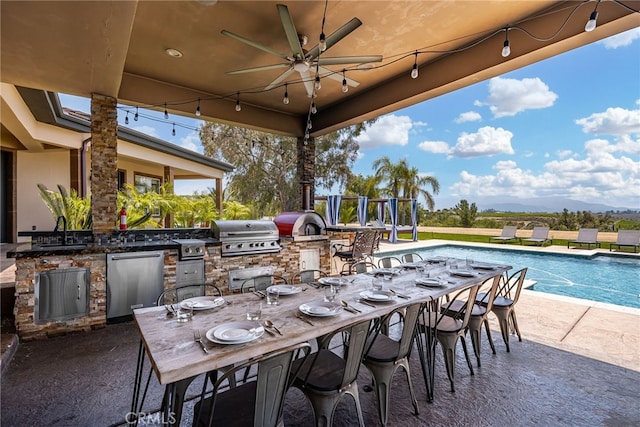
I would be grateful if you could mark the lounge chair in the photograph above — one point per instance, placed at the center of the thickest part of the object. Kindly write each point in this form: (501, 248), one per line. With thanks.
(508, 234)
(586, 236)
(627, 238)
(539, 236)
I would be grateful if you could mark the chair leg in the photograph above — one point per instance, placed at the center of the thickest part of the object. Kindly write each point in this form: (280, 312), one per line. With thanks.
(515, 324)
(466, 354)
(324, 405)
(488, 330)
(382, 376)
(448, 344)
(503, 319)
(475, 326)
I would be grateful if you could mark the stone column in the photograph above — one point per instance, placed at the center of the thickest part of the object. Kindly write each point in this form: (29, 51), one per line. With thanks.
(306, 169)
(104, 164)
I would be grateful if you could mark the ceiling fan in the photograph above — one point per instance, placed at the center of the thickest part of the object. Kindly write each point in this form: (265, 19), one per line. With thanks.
(303, 61)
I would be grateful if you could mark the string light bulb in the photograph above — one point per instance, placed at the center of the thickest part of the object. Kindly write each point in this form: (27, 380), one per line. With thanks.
(173, 131)
(345, 87)
(323, 42)
(506, 47)
(414, 70)
(135, 116)
(309, 125)
(593, 19)
(126, 119)
(318, 85)
(166, 114)
(313, 108)
(238, 106)
(198, 112)
(285, 100)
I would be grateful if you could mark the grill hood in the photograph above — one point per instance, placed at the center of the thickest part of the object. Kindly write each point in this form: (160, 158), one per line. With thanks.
(246, 237)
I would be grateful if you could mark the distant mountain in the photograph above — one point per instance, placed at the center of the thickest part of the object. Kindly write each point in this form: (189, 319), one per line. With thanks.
(546, 204)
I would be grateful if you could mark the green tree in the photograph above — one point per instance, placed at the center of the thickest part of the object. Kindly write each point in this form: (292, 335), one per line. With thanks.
(466, 212)
(76, 210)
(264, 178)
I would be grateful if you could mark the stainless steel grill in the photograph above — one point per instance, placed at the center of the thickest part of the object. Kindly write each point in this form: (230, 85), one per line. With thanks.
(240, 237)
(190, 248)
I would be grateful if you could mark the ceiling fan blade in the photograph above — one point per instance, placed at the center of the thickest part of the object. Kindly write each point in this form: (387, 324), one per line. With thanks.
(290, 30)
(279, 79)
(262, 68)
(349, 60)
(325, 72)
(336, 36)
(308, 82)
(254, 44)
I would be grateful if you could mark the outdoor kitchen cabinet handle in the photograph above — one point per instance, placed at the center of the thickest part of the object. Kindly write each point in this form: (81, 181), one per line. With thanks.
(134, 255)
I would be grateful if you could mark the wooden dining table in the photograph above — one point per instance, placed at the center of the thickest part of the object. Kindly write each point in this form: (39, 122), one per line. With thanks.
(177, 359)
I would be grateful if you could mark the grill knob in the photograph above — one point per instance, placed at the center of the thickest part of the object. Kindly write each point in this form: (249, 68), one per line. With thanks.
(240, 245)
(198, 249)
(187, 250)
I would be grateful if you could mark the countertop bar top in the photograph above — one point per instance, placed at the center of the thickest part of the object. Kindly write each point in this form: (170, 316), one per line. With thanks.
(29, 250)
(352, 228)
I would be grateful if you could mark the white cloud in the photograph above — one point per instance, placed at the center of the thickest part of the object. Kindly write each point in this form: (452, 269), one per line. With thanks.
(439, 147)
(469, 116)
(508, 97)
(387, 130)
(598, 175)
(192, 142)
(563, 154)
(147, 130)
(614, 121)
(487, 141)
(622, 39)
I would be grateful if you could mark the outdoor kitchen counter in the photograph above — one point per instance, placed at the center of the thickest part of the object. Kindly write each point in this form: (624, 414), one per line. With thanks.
(348, 228)
(28, 250)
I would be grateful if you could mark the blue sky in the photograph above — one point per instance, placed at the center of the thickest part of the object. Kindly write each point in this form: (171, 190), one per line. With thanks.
(566, 127)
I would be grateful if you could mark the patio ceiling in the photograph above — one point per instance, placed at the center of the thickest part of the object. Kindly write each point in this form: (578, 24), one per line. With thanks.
(118, 49)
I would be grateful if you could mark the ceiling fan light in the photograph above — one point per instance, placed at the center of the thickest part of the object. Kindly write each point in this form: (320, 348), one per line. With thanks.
(301, 66)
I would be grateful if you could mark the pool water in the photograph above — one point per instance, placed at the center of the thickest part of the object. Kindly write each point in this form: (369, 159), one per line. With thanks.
(602, 278)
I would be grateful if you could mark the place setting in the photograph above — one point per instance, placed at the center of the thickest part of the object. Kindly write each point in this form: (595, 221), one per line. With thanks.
(235, 332)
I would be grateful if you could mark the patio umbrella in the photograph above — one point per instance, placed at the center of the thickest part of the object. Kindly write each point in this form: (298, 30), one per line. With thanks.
(393, 216)
(363, 202)
(333, 209)
(414, 219)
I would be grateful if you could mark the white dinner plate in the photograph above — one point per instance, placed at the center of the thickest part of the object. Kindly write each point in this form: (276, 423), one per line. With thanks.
(463, 273)
(235, 332)
(320, 308)
(482, 266)
(384, 271)
(412, 265)
(205, 303)
(330, 281)
(428, 281)
(378, 296)
(286, 289)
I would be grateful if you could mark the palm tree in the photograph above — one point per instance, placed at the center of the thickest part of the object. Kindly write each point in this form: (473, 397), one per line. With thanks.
(402, 178)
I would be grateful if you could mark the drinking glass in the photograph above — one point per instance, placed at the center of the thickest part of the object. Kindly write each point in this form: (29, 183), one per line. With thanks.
(254, 310)
(184, 312)
(330, 293)
(273, 295)
(378, 283)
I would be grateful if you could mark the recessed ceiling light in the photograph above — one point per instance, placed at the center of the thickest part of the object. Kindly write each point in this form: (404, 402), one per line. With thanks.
(173, 52)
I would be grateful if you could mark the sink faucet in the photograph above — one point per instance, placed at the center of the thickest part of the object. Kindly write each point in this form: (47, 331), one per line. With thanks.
(64, 228)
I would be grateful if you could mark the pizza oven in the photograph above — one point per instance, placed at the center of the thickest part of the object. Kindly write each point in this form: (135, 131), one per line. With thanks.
(301, 225)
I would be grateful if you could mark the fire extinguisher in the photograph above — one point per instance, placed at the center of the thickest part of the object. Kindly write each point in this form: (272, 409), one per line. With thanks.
(123, 219)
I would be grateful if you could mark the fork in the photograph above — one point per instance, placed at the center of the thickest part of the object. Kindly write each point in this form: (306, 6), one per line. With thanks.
(198, 338)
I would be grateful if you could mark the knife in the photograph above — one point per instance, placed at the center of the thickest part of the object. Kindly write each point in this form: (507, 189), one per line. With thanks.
(273, 334)
(304, 319)
(399, 295)
(366, 303)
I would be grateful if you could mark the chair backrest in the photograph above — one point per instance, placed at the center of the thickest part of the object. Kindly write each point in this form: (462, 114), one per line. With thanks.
(388, 262)
(540, 232)
(492, 285)
(262, 282)
(174, 295)
(365, 243)
(512, 286)
(588, 235)
(461, 312)
(307, 276)
(409, 316)
(361, 267)
(271, 385)
(628, 237)
(509, 231)
(411, 257)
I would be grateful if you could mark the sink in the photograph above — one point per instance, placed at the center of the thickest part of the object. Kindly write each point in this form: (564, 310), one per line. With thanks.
(58, 246)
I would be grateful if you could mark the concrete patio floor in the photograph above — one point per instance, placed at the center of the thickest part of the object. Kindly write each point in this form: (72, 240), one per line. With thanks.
(578, 365)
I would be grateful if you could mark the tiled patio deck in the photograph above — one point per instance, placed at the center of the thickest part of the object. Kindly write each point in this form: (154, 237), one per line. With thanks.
(579, 364)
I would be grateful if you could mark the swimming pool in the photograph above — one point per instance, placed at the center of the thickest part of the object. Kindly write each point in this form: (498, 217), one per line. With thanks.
(609, 279)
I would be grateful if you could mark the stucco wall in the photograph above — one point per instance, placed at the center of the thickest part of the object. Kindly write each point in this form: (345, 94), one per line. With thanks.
(49, 168)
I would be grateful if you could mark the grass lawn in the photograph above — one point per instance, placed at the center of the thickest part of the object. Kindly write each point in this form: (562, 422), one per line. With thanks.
(482, 239)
